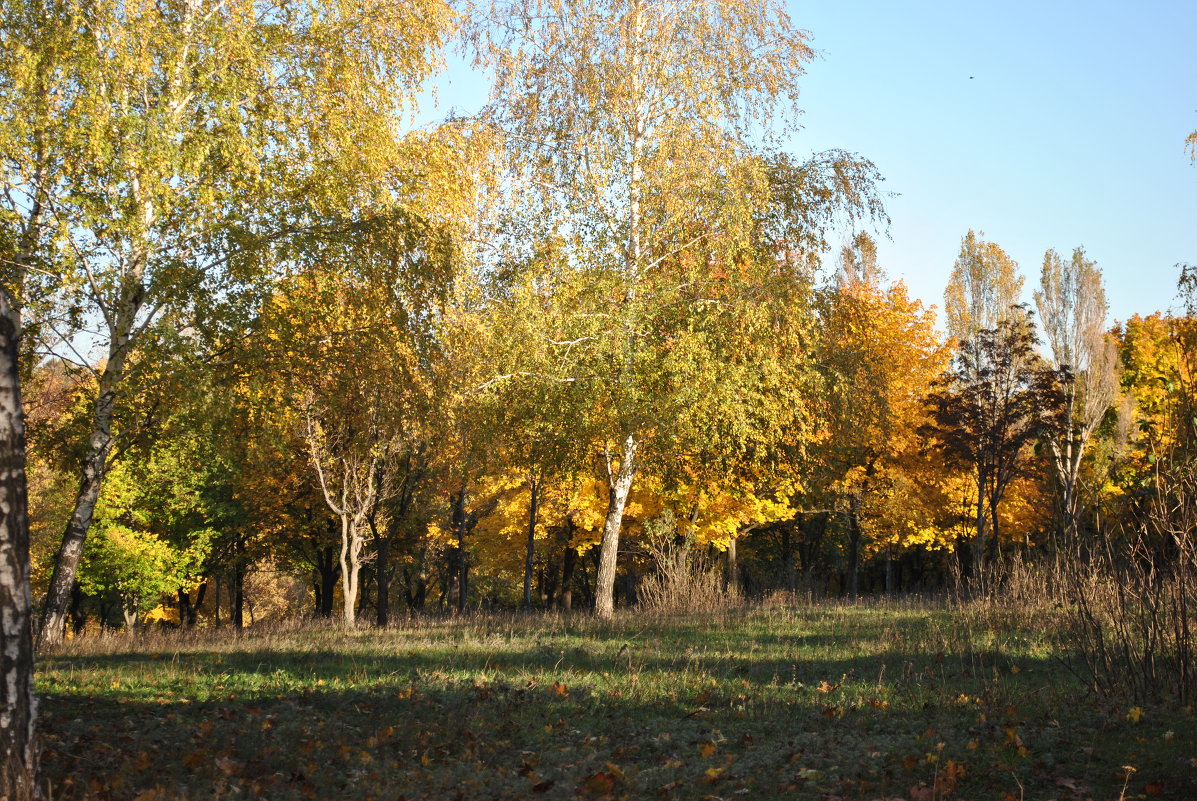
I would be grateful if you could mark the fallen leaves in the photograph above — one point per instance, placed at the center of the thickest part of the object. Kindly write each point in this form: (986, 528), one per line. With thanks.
(600, 783)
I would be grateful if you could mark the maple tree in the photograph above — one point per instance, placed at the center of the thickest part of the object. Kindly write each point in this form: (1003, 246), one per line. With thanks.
(880, 357)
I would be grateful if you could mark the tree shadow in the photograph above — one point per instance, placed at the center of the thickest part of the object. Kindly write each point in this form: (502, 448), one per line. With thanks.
(563, 717)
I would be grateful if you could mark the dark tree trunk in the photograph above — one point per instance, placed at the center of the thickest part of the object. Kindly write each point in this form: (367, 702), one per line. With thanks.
(364, 601)
(328, 568)
(462, 563)
(189, 610)
(415, 589)
(382, 567)
(186, 610)
(237, 612)
(732, 579)
(788, 568)
(854, 537)
(530, 550)
(18, 744)
(569, 561)
(77, 613)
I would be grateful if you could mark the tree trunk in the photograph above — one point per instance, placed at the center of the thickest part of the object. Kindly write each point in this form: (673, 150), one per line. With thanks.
(76, 612)
(415, 589)
(382, 570)
(889, 571)
(187, 612)
(978, 543)
(66, 564)
(238, 591)
(18, 745)
(569, 561)
(327, 569)
(733, 568)
(854, 536)
(788, 568)
(350, 565)
(530, 551)
(131, 614)
(620, 486)
(364, 583)
(463, 574)
(95, 462)
(462, 566)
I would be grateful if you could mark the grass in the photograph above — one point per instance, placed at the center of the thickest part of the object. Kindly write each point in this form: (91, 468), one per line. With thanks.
(880, 701)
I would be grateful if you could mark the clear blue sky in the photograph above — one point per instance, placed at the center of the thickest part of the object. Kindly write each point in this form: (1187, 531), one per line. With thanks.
(1069, 132)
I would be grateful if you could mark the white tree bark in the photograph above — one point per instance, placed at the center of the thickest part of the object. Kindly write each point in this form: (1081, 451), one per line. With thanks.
(18, 747)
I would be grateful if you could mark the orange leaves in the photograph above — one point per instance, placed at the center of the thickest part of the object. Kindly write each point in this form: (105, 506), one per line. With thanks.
(603, 782)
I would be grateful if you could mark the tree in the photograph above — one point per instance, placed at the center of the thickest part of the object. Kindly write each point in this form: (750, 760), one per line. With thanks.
(356, 391)
(880, 356)
(187, 142)
(983, 290)
(635, 129)
(1072, 310)
(997, 400)
(18, 744)
(29, 48)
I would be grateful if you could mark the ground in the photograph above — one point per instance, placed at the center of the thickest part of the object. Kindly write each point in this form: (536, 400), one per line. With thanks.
(911, 700)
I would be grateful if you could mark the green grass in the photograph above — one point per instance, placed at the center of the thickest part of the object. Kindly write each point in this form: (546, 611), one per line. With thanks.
(819, 701)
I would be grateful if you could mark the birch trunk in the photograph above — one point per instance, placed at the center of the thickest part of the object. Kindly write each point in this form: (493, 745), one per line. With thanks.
(122, 323)
(18, 750)
(95, 463)
(620, 486)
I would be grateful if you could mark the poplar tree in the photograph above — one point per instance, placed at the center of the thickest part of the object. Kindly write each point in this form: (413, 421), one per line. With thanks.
(1072, 309)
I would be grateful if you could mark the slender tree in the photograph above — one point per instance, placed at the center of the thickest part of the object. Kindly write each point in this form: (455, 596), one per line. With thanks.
(18, 745)
(636, 127)
(997, 400)
(983, 289)
(1072, 309)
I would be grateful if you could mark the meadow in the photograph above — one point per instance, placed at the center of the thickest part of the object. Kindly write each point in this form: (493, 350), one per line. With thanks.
(915, 700)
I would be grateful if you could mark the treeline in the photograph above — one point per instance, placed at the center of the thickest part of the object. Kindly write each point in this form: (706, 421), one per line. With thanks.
(337, 462)
(283, 357)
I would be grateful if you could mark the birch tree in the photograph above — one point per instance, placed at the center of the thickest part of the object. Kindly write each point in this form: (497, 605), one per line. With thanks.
(636, 129)
(192, 137)
(18, 746)
(1072, 310)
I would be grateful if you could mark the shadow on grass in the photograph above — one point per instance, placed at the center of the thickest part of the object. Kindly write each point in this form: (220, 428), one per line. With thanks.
(686, 712)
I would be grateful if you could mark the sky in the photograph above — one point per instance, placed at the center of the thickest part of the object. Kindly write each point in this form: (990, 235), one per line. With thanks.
(1043, 124)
